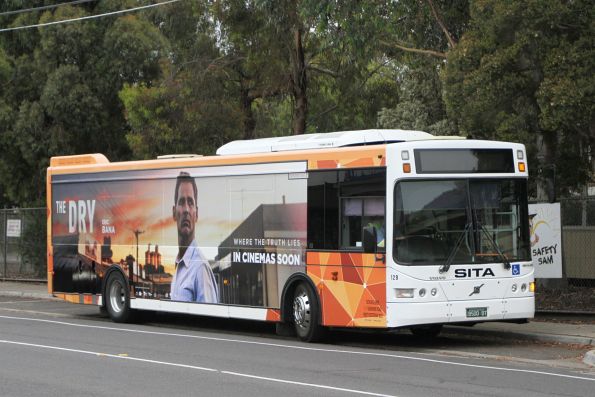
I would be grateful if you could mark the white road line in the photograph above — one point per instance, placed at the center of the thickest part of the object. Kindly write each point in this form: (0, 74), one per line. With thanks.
(166, 363)
(98, 354)
(306, 384)
(317, 349)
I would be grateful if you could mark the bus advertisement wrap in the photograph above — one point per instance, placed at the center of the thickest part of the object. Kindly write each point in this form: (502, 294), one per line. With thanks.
(182, 234)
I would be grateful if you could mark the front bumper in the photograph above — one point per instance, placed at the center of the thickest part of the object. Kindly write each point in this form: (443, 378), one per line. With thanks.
(401, 314)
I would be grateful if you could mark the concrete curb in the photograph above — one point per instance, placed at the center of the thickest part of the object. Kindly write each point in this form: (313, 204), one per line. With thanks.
(566, 339)
(589, 358)
(23, 294)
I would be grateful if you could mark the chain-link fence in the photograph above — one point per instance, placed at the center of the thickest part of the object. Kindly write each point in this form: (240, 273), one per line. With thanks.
(23, 234)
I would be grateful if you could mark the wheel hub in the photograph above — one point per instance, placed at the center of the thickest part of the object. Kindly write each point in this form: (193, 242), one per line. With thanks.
(117, 296)
(301, 310)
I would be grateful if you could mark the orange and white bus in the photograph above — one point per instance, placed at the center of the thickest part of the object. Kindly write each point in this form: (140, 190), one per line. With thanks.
(368, 229)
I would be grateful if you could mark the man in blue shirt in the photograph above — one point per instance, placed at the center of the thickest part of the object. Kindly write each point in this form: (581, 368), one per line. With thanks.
(193, 279)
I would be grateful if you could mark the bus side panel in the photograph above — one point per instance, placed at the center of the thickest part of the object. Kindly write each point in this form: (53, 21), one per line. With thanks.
(351, 286)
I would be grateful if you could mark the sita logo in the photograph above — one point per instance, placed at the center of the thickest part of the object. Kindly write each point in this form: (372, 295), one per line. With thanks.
(475, 272)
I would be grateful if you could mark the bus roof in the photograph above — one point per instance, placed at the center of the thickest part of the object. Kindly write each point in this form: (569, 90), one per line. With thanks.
(357, 149)
(324, 141)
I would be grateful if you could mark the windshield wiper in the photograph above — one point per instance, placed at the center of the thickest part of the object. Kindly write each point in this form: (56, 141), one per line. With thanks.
(446, 265)
(495, 246)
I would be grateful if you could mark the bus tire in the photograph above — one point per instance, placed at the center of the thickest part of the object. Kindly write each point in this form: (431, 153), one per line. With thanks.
(117, 298)
(103, 312)
(427, 331)
(306, 314)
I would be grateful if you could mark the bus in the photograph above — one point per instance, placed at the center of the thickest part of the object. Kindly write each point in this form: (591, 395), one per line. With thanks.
(380, 229)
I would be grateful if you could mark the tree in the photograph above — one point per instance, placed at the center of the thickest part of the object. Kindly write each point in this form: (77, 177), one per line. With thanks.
(415, 37)
(523, 72)
(420, 106)
(59, 89)
(191, 108)
(330, 53)
(251, 57)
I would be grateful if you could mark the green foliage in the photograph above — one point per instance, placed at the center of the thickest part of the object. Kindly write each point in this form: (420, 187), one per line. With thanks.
(173, 118)
(75, 115)
(23, 166)
(523, 72)
(337, 105)
(192, 108)
(135, 47)
(192, 75)
(252, 58)
(60, 90)
(148, 110)
(5, 67)
(420, 106)
(412, 36)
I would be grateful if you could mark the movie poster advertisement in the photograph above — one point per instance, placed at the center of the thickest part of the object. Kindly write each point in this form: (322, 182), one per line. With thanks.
(192, 235)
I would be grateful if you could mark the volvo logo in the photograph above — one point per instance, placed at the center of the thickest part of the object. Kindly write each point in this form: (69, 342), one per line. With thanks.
(476, 290)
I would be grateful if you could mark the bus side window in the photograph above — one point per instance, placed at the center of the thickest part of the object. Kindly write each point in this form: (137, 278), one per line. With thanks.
(362, 196)
(341, 203)
(358, 213)
(323, 210)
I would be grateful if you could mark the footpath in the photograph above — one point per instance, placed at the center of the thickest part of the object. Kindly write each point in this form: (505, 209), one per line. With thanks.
(542, 330)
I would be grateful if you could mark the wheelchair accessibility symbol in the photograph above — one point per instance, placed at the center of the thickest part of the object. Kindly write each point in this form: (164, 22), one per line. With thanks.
(516, 270)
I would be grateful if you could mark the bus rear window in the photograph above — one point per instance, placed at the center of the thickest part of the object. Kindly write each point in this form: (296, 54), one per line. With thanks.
(463, 161)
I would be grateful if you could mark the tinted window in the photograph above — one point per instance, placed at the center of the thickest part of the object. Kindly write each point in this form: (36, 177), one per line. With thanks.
(358, 213)
(323, 210)
(341, 203)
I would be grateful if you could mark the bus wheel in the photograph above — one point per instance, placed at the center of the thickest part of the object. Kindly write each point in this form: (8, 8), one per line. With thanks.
(117, 299)
(103, 311)
(427, 331)
(305, 314)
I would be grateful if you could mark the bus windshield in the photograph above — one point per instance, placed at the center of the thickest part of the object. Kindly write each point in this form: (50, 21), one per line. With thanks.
(466, 220)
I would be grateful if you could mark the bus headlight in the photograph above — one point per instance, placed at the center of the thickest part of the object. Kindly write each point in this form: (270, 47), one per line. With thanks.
(434, 291)
(523, 287)
(532, 286)
(422, 292)
(404, 292)
(514, 287)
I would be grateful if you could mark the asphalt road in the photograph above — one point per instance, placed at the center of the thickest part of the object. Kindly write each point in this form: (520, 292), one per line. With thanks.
(50, 348)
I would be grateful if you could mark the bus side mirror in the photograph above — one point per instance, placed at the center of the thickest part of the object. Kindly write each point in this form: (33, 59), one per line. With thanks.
(370, 243)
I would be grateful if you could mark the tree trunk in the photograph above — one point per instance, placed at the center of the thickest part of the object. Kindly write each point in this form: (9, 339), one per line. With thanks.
(299, 84)
(546, 180)
(248, 115)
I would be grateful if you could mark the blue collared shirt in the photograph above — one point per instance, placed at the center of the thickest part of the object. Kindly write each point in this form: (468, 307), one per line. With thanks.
(193, 279)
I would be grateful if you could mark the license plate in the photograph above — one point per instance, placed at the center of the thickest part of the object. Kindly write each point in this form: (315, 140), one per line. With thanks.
(477, 312)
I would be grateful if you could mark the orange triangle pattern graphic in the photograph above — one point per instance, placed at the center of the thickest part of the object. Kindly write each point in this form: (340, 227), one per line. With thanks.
(352, 288)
